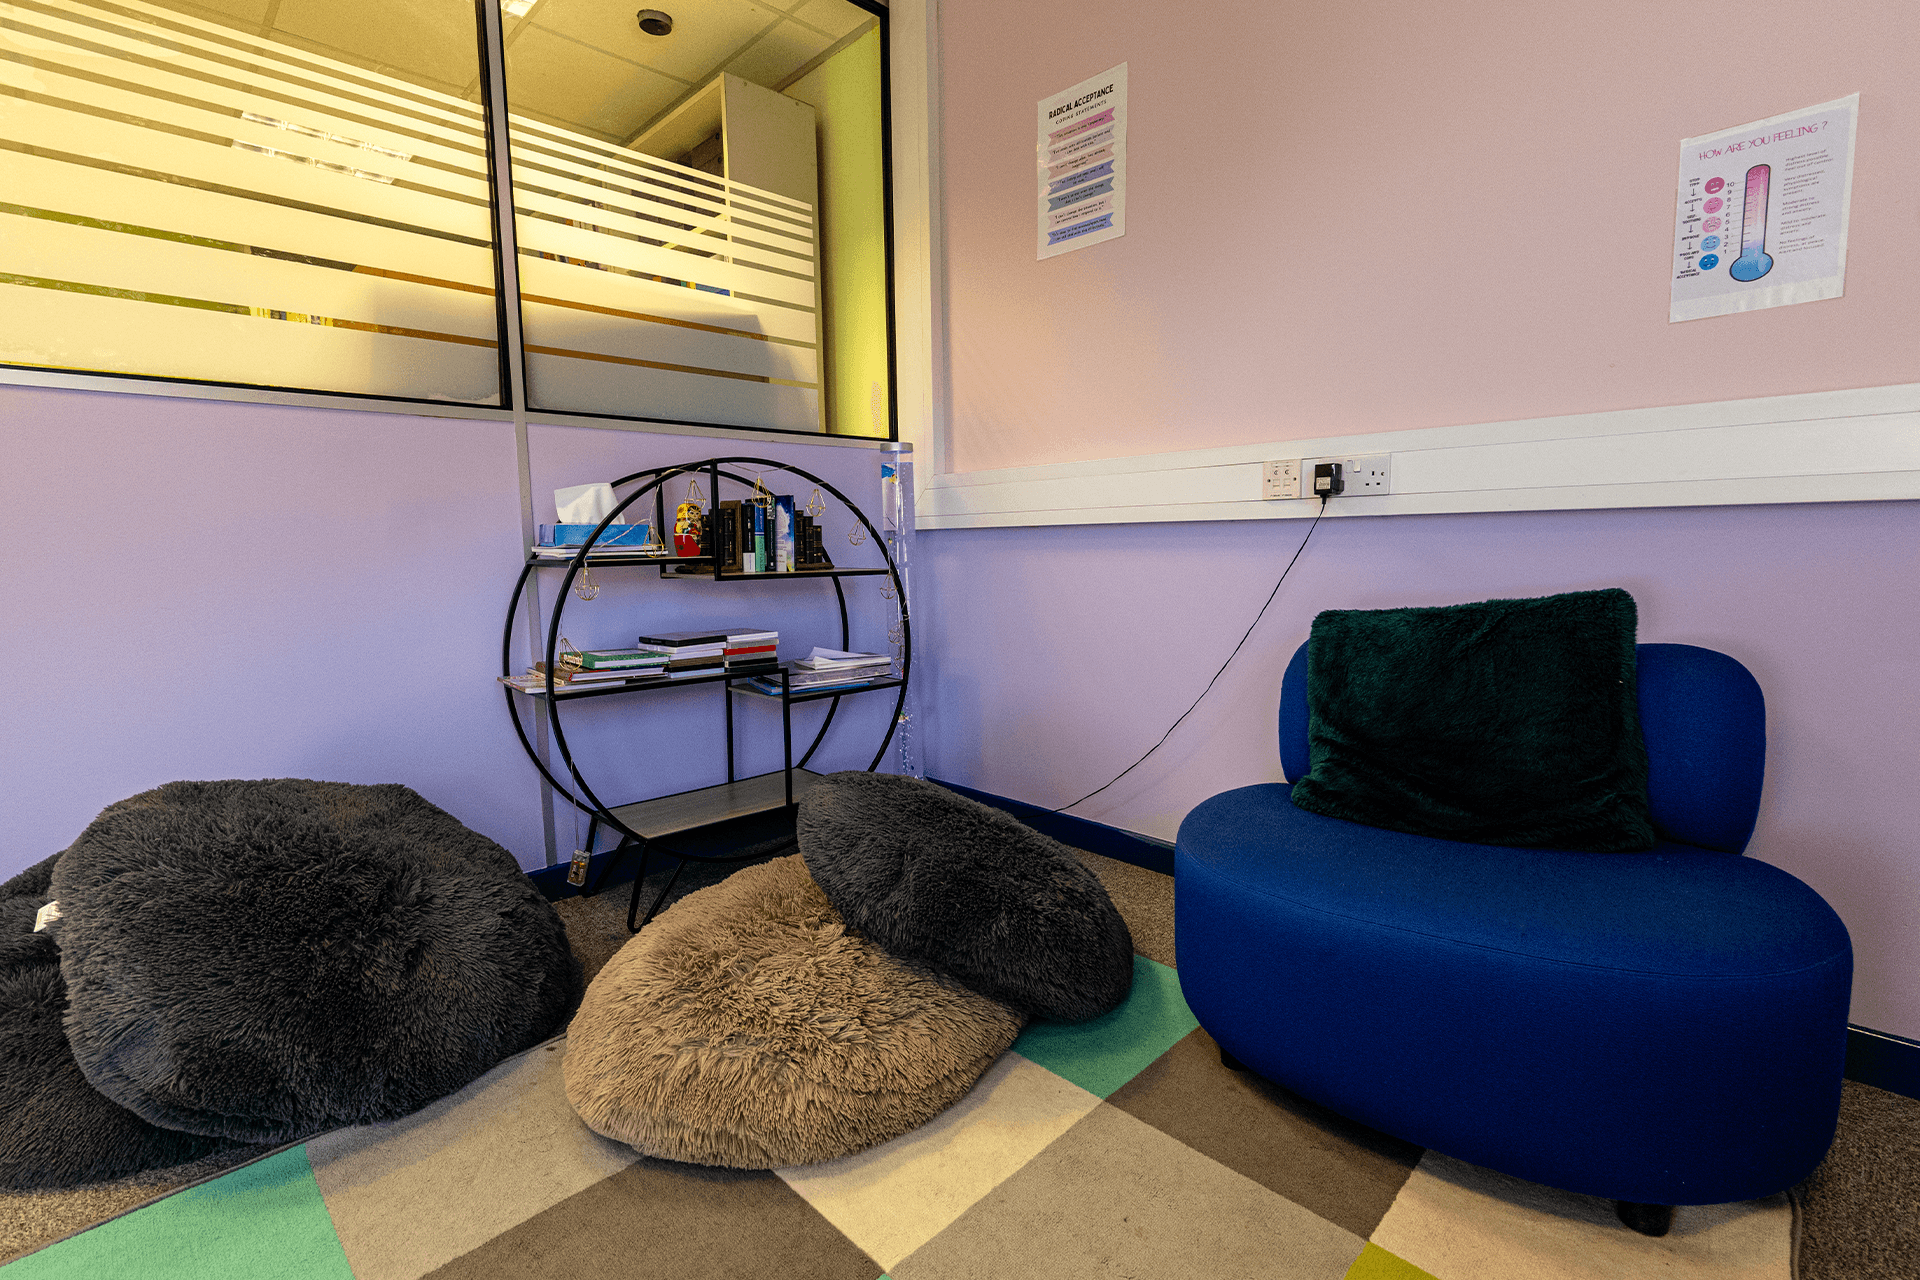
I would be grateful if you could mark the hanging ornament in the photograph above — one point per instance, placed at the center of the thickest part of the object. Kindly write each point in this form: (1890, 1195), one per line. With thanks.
(816, 504)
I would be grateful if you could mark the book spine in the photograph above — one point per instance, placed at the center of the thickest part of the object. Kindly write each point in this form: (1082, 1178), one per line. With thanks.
(729, 549)
(783, 533)
(759, 537)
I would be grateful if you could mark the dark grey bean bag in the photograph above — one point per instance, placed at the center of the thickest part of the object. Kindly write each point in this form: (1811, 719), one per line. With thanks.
(969, 890)
(269, 960)
(56, 1130)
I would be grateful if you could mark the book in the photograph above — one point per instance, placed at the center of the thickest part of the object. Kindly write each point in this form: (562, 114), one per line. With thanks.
(759, 508)
(607, 659)
(677, 661)
(840, 660)
(726, 552)
(653, 640)
(816, 679)
(750, 636)
(783, 561)
(770, 685)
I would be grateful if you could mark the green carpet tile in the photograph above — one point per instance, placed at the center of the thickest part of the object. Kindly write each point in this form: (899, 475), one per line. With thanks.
(1119, 1147)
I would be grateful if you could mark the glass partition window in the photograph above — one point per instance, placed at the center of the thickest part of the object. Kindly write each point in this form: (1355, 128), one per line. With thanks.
(300, 195)
(182, 198)
(682, 189)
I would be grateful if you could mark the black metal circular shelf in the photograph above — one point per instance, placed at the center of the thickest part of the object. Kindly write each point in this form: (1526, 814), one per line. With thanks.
(598, 811)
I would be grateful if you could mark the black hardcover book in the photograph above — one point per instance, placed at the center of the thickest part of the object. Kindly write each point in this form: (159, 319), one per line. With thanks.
(727, 554)
(681, 639)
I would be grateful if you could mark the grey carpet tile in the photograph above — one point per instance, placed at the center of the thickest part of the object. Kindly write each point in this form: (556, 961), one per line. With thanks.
(656, 1220)
(1343, 1171)
(1861, 1216)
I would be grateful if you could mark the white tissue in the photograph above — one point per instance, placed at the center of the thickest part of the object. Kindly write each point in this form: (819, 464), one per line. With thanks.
(584, 503)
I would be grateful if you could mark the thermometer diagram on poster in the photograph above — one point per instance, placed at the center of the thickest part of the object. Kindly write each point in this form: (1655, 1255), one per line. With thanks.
(1760, 219)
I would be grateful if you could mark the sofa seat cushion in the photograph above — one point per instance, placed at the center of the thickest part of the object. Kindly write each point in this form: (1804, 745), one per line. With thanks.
(1675, 909)
(749, 1027)
(1610, 1025)
(267, 960)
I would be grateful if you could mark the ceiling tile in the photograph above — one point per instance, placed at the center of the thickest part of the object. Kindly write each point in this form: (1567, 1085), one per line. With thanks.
(433, 41)
(779, 54)
(589, 90)
(835, 17)
(706, 33)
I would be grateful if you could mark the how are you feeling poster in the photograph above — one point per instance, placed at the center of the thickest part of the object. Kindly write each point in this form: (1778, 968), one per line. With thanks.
(1761, 218)
(1083, 164)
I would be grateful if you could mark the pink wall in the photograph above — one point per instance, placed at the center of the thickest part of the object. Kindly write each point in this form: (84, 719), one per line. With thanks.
(1381, 215)
(1062, 654)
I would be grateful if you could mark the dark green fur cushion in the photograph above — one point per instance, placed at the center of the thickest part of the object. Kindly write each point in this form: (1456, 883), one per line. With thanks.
(1512, 722)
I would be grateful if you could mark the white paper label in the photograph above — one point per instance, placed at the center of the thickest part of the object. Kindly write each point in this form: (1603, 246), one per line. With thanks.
(46, 916)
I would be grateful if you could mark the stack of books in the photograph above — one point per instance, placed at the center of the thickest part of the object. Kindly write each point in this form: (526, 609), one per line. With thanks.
(829, 669)
(591, 669)
(688, 653)
(751, 650)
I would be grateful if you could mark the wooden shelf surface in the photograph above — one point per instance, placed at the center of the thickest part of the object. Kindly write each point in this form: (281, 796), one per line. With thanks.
(688, 810)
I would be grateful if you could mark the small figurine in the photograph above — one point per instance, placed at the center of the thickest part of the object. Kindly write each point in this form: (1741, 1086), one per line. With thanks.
(686, 529)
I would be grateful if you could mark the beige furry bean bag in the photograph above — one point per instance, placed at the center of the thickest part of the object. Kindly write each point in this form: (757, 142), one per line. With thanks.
(748, 1027)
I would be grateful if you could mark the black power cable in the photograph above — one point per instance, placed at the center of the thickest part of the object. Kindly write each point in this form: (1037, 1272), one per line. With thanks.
(1216, 675)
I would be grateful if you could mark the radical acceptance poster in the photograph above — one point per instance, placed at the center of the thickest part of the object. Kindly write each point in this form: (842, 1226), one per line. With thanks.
(1761, 219)
(1083, 164)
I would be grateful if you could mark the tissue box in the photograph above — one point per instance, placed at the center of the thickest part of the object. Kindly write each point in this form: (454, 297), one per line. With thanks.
(572, 535)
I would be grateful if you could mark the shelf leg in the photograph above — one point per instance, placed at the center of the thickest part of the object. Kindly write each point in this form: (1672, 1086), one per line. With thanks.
(633, 907)
(786, 733)
(606, 869)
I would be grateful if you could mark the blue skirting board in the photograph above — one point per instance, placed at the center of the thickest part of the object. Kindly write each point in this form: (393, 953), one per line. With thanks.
(1874, 1058)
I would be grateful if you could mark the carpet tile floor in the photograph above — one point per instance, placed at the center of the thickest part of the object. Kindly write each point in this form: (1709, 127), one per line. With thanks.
(1117, 1148)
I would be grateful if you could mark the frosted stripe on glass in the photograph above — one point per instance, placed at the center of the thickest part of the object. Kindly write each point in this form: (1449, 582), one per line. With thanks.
(130, 59)
(623, 391)
(60, 250)
(66, 330)
(659, 212)
(233, 52)
(169, 183)
(650, 289)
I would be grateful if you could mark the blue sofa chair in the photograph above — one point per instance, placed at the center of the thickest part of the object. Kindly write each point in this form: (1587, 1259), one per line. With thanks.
(1656, 1028)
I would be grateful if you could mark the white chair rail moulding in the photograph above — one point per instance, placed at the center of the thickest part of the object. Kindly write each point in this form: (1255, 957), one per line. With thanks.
(1858, 445)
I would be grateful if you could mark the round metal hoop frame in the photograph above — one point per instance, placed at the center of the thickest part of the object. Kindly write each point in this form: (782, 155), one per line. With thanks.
(587, 801)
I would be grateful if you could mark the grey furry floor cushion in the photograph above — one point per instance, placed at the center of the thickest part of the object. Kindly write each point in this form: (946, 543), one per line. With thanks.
(969, 890)
(748, 1027)
(268, 960)
(56, 1130)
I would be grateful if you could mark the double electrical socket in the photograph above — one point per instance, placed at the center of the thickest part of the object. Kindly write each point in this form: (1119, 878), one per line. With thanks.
(1367, 476)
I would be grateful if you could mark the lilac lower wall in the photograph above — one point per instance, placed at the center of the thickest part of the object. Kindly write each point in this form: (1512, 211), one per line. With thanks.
(199, 589)
(208, 590)
(1059, 655)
